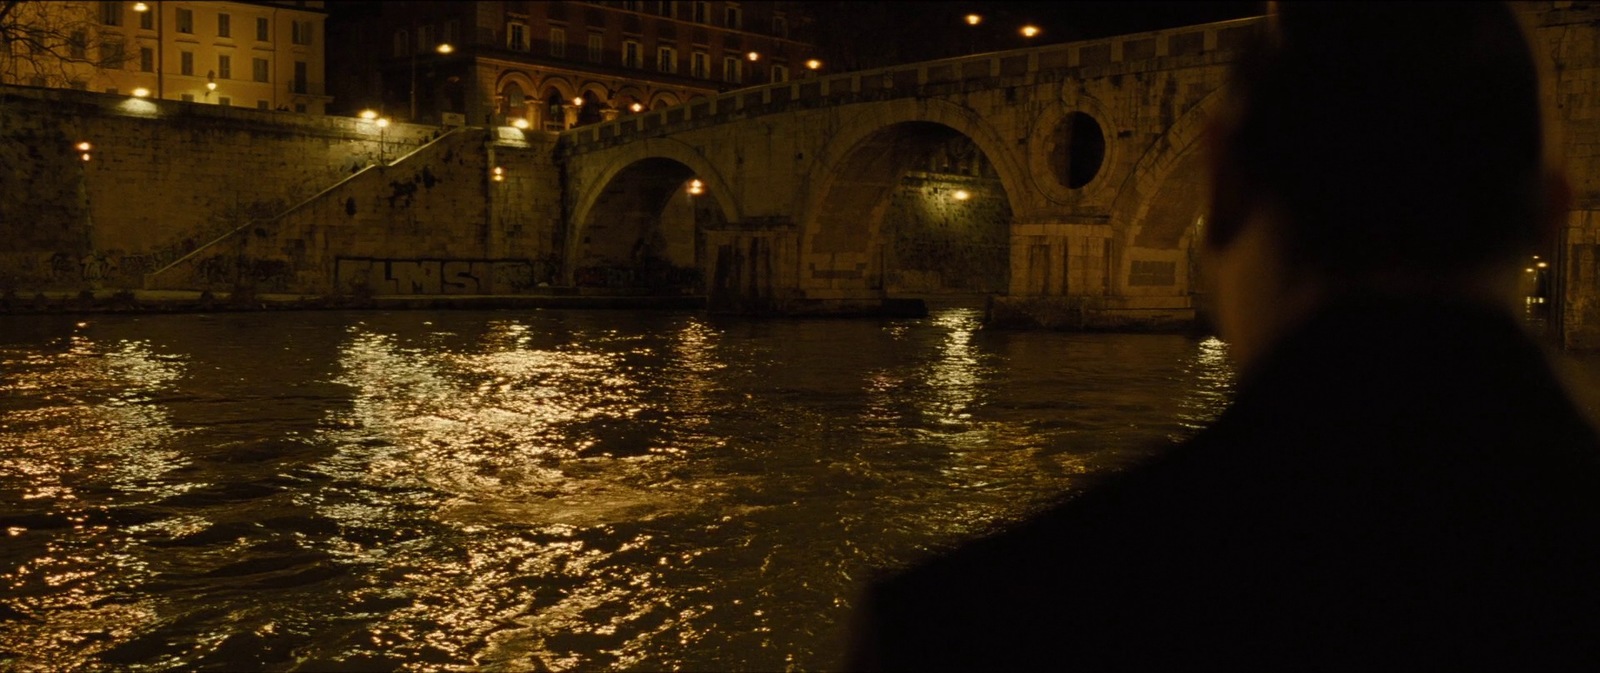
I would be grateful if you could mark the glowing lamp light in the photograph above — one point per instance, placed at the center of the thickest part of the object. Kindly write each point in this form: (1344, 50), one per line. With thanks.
(498, 170)
(519, 123)
(696, 186)
(578, 101)
(369, 115)
(813, 64)
(445, 48)
(636, 107)
(1030, 31)
(83, 146)
(383, 122)
(141, 92)
(974, 19)
(1530, 270)
(84, 156)
(211, 86)
(961, 195)
(1542, 265)
(499, 174)
(140, 7)
(753, 56)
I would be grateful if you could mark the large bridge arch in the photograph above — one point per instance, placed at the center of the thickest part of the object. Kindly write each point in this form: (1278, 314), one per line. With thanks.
(647, 176)
(1159, 205)
(853, 178)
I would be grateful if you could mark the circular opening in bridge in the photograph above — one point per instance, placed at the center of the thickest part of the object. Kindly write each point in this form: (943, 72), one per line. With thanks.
(1079, 150)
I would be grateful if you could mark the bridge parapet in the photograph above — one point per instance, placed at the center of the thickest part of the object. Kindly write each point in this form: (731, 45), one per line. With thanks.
(1137, 52)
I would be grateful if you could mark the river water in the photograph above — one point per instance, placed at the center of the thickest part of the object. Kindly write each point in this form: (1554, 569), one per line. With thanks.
(528, 490)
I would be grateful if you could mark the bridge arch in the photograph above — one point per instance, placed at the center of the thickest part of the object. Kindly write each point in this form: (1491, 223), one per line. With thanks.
(1160, 205)
(629, 201)
(850, 188)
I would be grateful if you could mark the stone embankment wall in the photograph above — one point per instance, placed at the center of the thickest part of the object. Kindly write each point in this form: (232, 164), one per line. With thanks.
(195, 196)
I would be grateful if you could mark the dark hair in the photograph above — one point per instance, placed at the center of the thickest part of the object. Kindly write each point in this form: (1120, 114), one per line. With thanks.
(1394, 136)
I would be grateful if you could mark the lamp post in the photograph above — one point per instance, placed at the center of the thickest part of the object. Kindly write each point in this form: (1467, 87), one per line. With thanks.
(161, 43)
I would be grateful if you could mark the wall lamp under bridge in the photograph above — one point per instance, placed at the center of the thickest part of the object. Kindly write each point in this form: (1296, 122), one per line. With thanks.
(696, 187)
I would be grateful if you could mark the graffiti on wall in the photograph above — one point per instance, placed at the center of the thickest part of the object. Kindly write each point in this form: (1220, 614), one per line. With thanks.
(434, 276)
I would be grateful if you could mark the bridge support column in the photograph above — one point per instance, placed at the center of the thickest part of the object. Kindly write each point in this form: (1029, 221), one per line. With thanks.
(1065, 276)
(750, 268)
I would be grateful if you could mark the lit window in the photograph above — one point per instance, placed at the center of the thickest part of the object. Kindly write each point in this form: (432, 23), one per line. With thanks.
(78, 45)
(517, 36)
(112, 52)
(111, 13)
(558, 42)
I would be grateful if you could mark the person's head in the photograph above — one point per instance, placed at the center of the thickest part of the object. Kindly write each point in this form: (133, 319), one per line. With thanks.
(1397, 147)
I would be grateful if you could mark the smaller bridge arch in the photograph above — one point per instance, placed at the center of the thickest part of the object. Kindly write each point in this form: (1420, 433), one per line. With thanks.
(638, 185)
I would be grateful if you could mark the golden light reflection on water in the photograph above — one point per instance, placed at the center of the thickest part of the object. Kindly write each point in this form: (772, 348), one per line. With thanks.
(546, 491)
(81, 423)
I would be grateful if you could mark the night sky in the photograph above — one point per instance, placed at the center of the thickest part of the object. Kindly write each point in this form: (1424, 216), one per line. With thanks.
(875, 34)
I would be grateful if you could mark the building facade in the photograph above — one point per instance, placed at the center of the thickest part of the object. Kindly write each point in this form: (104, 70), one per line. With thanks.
(555, 65)
(266, 55)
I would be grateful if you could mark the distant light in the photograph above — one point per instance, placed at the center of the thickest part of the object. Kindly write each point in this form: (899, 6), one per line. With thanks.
(83, 146)
(636, 107)
(383, 122)
(578, 101)
(1543, 264)
(1030, 31)
(1530, 270)
(961, 195)
(211, 86)
(369, 114)
(813, 64)
(499, 178)
(753, 56)
(499, 170)
(520, 123)
(696, 186)
(974, 19)
(444, 48)
(141, 92)
(84, 156)
(140, 7)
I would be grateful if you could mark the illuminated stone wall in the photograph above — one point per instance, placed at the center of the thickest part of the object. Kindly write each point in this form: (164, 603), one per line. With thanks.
(165, 180)
(947, 234)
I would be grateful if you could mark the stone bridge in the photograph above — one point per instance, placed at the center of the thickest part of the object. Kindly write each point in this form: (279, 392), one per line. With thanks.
(778, 194)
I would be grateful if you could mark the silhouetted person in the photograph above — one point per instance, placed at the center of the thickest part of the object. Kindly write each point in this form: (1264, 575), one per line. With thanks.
(1400, 481)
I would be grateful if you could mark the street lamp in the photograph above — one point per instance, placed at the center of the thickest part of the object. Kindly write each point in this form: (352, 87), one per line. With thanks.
(161, 43)
(1030, 30)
